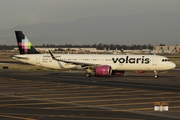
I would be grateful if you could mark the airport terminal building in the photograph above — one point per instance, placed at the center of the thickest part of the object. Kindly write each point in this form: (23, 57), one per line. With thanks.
(156, 50)
(172, 49)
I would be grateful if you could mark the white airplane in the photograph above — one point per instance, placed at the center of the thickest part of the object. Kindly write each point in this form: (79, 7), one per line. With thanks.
(99, 64)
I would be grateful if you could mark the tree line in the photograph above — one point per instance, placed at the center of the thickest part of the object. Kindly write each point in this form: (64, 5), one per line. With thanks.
(97, 46)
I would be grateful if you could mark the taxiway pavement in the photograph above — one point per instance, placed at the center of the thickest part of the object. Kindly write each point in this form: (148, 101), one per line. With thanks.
(51, 95)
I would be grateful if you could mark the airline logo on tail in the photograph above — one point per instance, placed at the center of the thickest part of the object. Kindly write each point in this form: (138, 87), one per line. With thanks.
(25, 45)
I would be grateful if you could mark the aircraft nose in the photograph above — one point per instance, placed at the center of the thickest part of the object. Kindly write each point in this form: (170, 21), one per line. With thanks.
(173, 65)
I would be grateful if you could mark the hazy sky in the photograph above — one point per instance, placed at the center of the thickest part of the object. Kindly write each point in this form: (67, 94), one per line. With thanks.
(18, 12)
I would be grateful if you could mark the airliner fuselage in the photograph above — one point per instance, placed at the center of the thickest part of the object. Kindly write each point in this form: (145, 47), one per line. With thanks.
(117, 62)
(100, 64)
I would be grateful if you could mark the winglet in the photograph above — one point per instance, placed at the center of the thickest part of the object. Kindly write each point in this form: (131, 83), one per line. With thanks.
(53, 57)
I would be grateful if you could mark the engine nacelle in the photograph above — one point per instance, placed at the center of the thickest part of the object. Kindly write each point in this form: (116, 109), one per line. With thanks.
(117, 73)
(104, 70)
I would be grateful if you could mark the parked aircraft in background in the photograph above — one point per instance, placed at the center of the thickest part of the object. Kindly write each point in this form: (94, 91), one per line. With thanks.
(100, 64)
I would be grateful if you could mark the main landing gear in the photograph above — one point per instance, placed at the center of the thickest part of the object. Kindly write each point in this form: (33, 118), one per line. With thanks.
(88, 73)
(156, 75)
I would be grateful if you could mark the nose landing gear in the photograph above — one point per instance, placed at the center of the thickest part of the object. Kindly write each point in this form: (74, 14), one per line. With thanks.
(156, 75)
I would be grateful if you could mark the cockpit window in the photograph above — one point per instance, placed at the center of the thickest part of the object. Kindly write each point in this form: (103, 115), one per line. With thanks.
(165, 60)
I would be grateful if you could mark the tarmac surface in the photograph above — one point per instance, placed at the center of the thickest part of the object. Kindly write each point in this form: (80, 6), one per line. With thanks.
(69, 95)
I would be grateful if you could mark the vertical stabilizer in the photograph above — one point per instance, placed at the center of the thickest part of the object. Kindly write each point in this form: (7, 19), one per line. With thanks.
(24, 45)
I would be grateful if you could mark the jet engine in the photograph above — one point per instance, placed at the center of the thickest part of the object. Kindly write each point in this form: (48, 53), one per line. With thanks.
(104, 70)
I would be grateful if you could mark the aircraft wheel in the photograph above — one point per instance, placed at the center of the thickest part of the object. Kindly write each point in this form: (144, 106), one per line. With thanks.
(88, 75)
(156, 75)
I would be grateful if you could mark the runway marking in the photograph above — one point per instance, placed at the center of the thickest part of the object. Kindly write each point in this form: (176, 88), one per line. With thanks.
(16, 117)
(61, 93)
(111, 105)
(80, 87)
(125, 104)
(68, 107)
(137, 112)
(94, 106)
(174, 107)
(117, 99)
(100, 95)
(29, 104)
(140, 109)
(32, 115)
(66, 116)
(103, 118)
(88, 95)
(76, 93)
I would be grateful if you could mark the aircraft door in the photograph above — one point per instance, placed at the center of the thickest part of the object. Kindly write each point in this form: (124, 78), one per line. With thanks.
(154, 60)
(38, 63)
(80, 59)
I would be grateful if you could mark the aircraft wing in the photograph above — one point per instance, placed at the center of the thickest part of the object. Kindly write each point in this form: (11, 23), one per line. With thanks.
(82, 64)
